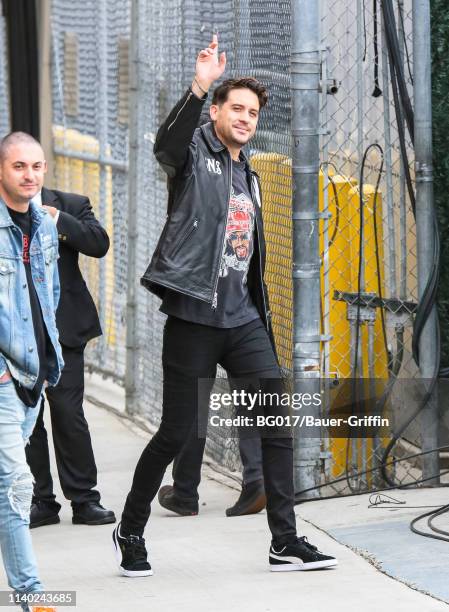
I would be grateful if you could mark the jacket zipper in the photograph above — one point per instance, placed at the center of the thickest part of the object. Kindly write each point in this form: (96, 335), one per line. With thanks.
(215, 295)
(186, 235)
(260, 260)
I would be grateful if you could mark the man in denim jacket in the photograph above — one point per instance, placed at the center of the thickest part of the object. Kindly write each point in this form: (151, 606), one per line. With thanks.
(30, 354)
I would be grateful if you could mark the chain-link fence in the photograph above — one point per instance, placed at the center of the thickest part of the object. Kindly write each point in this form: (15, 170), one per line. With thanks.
(370, 271)
(88, 73)
(91, 143)
(368, 247)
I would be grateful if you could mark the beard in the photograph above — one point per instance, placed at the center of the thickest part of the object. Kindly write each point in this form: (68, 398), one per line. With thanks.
(239, 139)
(231, 138)
(16, 195)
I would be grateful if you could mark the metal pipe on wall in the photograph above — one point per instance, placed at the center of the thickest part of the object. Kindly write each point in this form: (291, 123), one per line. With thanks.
(102, 105)
(5, 119)
(45, 93)
(131, 300)
(305, 71)
(425, 225)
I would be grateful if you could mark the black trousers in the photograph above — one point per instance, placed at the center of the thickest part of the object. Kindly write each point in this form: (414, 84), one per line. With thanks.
(187, 465)
(71, 438)
(191, 352)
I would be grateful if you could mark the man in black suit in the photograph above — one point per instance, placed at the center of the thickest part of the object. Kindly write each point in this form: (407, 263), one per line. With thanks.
(77, 322)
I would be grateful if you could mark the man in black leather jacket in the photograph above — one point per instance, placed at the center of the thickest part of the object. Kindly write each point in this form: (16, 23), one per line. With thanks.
(208, 269)
(182, 497)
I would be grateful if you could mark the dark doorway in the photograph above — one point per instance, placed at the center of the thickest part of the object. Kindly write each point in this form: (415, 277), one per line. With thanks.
(21, 22)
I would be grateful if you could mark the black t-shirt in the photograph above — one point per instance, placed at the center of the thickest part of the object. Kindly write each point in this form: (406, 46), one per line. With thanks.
(30, 397)
(233, 305)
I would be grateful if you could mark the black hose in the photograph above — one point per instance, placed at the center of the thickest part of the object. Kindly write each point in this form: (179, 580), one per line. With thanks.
(377, 90)
(428, 299)
(396, 63)
(370, 471)
(431, 514)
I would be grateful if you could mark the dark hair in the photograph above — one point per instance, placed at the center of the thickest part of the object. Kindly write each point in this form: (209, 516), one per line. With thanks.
(222, 91)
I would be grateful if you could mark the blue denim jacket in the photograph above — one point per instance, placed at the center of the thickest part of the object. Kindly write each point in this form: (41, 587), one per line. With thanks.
(18, 349)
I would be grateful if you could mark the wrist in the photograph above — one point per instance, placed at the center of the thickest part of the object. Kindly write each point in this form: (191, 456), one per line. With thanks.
(203, 83)
(200, 86)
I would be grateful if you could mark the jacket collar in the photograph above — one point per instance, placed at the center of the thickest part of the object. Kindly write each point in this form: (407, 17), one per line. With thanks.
(210, 137)
(213, 141)
(48, 196)
(37, 214)
(5, 219)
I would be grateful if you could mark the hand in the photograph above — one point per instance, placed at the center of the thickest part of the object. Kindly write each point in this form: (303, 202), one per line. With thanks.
(50, 209)
(209, 67)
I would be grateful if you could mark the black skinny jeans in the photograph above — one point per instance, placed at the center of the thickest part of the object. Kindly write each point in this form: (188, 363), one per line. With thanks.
(191, 352)
(187, 465)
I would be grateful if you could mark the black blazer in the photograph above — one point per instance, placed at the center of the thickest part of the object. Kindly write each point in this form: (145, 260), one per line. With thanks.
(79, 232)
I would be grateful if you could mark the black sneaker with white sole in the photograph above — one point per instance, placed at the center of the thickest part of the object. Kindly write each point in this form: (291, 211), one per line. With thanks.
(298, 556)
(131, 554)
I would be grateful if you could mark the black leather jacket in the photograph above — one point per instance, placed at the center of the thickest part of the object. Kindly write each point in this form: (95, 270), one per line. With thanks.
(187, 256)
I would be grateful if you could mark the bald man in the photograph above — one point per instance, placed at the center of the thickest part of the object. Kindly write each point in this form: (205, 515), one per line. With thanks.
(30, 354)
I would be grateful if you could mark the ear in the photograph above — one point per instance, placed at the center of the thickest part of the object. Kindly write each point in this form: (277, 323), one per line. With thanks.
(45, 166)
(213, 111)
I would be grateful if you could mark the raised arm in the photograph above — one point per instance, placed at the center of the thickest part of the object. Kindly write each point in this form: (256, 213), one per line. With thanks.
(209, 67)
(172, 147)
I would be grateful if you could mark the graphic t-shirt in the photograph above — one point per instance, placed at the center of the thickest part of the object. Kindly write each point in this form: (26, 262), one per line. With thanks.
(30, 397)
(233, 305)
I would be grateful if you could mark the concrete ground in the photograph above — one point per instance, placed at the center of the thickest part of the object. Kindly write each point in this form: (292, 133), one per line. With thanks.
(382, 534)
(214, 563)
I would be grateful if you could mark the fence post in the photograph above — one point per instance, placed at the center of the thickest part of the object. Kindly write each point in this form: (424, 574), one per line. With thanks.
(425, 227)
(131, 302)
(45, 93)
(102, 110)
(305, 79)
